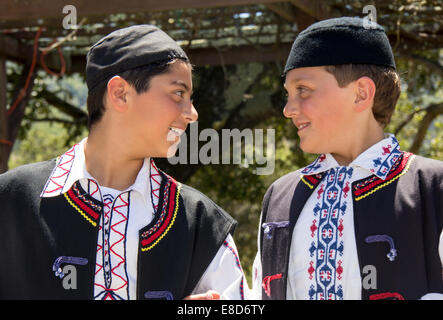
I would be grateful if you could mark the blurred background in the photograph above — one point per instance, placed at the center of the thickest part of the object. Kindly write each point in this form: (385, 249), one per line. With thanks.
(238, 49)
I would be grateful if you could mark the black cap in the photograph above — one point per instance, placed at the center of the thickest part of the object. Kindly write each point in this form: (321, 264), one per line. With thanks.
(129, 48)
(346, 40)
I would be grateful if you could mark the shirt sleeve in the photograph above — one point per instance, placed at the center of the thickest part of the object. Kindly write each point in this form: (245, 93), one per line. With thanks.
(256, 292)
(440, 247)
(225, 274)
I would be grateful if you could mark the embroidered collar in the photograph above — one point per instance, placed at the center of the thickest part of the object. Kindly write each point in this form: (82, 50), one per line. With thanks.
(378, 159)
(71, 167)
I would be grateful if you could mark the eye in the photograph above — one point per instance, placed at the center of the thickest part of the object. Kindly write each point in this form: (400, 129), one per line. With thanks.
(179, 93)
(302, 91)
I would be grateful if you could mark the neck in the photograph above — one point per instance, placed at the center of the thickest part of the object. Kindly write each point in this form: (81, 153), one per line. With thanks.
(357, 143)
(109, 162)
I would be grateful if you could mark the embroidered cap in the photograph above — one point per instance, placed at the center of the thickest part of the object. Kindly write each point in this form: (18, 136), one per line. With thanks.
(129, 48)
(339, 41)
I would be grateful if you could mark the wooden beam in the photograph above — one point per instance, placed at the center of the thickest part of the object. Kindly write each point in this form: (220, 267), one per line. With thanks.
(43, 9)
(15, 50)
(215, 56)
(239, 54)
(199, 57)
(318, 9)
(284, 10)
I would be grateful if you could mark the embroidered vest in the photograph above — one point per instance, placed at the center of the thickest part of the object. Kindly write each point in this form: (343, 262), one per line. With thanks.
(39, 237)
(397, 223)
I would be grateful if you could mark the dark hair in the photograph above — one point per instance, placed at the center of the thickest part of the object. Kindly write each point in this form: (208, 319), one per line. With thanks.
(387, 86)
(139, 78)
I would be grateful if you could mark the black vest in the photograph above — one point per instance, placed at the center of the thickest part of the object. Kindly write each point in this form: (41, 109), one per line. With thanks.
(406, 207)
(38, 236)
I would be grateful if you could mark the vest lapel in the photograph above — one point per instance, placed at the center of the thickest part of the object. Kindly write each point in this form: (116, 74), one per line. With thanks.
(71, 223)
(281, 208)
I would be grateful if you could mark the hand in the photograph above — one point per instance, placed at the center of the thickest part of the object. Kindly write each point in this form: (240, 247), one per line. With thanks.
(209, 295)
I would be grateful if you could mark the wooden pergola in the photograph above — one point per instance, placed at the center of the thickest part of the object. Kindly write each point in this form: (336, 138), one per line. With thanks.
(212, 32)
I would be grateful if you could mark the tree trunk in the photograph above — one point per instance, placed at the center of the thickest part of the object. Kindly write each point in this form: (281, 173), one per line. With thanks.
(10, 122)
(4, 139)
(432, 112)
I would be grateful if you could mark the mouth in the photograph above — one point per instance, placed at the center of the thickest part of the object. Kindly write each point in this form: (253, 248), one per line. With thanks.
(301, 126)
(174, 134)
(176, 131)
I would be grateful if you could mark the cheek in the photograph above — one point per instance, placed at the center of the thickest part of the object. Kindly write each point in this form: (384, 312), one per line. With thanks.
(172, 111)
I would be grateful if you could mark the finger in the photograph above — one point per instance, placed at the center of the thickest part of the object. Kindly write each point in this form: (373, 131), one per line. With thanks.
(209, 295)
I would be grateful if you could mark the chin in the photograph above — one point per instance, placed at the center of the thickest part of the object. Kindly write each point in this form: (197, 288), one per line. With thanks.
(305, 147)
(312, 149)
(171, 150)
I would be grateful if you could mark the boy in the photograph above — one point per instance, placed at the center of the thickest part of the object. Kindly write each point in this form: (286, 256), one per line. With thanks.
(102, 217)
(364, 220)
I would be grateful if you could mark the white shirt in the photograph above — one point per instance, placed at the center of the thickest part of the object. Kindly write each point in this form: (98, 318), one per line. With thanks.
(125, 212)
(323, 260)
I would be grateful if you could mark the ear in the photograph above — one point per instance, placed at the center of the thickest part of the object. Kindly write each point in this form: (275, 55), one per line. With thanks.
(117, 92)
(364, 93)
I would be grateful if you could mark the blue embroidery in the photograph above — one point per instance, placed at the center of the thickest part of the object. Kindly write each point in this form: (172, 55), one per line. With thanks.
(167, 295)
(390, 154)
(329, 251)
(56, 266)
(392, 254)
(269, 226)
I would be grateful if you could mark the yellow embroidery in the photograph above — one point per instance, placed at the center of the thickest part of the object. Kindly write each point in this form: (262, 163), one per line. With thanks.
(388, 182)
(79, 210)
(306, 182)
(170, 224)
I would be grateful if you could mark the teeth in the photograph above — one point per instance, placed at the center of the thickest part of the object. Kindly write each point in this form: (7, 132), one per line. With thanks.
(303, 125)
(177, 131)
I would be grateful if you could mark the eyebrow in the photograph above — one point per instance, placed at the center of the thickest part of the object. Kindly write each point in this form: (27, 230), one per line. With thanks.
(295, 80)
(181, 84)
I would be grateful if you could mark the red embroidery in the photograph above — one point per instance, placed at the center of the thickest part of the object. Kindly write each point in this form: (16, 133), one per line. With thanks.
(325, 275)
(311, 270)
(267, 282)
(166, 217)
(340, 228)
(346, 189)
(114, 251)
(320, 191)
(386, 150)
(313, 227)
(155, 185)
(339, 269)
(61, 172)
(314, 179)
(369, 183)
(386, 295)
(83, 206)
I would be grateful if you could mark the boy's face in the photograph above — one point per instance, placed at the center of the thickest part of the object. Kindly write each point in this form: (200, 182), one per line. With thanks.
(320, 109)
(161, 114)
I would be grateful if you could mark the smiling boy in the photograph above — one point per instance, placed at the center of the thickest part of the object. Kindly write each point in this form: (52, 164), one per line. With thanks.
(365, 219)
(102, 216)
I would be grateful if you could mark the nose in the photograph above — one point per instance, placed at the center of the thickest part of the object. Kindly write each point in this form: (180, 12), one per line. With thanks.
(291, 109)
(190, 113)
